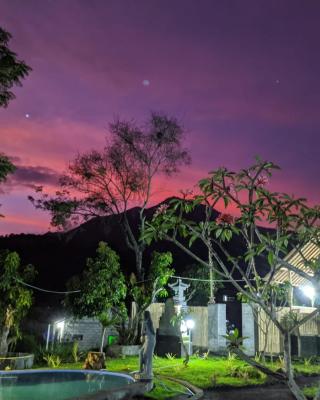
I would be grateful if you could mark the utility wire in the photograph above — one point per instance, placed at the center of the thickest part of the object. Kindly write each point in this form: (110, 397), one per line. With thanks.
(206, 280)
(78, 291)
(45, 290)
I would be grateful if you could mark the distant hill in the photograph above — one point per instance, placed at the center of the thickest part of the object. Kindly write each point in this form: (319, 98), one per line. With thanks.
(58, 256)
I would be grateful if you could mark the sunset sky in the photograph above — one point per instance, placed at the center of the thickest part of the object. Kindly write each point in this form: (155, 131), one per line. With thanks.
(242, 76)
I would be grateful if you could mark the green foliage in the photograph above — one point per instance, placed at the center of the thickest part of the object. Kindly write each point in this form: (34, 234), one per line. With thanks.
(15, 299)
(234, 339)
(205, 355)
(76, 354)
(144, 293)
(53, 360)
(59, 351)
(102, 288)
(281, 363)
(198, 292)
(231, 356)
(160, 271)
(12, 70)
(309, 361)
(170, 356)
(244, 372)
(6, 167)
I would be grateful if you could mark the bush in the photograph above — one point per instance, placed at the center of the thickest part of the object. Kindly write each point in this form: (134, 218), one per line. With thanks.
(64, 351)
(53, 361)
(244, 372)
(27, 344)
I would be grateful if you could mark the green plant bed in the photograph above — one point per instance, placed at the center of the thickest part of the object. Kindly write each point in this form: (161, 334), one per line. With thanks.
(311, 391)
(203, 373)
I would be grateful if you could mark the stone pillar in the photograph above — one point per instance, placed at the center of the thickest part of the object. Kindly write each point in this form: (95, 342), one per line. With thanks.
(248, 329)
(217, 328)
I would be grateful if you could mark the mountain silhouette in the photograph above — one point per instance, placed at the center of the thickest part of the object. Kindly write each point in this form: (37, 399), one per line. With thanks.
(58, 256)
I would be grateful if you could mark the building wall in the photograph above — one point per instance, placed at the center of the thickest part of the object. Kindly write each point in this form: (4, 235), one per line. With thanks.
(267, 332)
(269, 339)
(87, 331)
(198, 314)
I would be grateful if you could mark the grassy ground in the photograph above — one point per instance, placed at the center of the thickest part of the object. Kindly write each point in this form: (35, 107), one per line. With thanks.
(203, 373)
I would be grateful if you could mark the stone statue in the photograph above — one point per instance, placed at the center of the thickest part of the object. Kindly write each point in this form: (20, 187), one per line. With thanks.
(149, 342)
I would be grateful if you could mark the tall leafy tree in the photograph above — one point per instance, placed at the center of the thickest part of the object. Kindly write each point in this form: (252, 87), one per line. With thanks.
(12, 70)
(111, 180)
(293, 222)
(102, 289)
(15, 298)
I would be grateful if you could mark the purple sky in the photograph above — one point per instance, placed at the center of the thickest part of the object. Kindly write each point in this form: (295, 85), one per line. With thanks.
(242, 76)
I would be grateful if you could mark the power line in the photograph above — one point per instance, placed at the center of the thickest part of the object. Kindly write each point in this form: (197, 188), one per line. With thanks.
(78, 291)
(207, 280)
(45, 290)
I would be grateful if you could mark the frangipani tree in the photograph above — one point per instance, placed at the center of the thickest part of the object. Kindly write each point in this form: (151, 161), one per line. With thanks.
(291, 224)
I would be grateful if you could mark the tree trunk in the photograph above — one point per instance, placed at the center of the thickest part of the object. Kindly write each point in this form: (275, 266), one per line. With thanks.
(187, 356)
(294, 388)
(276, 375)
(139, 268)
(4, 340)
(102, 339)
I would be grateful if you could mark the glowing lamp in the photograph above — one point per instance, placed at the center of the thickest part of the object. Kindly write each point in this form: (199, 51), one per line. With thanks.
(309, 292)
(190, 323)
(60, 325)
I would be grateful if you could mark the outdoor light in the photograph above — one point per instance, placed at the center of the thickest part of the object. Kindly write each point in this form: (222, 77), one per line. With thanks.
(190, 323)
(308, 291)
(183, 326)
(60, 325)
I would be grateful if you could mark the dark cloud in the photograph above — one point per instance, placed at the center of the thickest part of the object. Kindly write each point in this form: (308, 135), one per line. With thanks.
(31, 177)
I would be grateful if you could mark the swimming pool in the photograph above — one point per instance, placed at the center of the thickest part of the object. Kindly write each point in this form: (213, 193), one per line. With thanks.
(58, 384)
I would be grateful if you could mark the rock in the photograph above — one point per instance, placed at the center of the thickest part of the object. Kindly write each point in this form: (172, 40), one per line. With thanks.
(95, 360)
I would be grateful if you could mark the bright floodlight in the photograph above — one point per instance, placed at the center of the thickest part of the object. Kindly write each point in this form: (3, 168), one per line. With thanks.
(183, 327)
(190, 323)
(60, 325)
(308, 291)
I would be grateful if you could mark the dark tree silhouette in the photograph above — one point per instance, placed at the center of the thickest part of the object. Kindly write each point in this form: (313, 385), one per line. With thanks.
(109, 181)
(12, 70)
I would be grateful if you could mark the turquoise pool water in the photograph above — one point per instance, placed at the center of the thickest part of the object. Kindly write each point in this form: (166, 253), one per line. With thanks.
(57, 384)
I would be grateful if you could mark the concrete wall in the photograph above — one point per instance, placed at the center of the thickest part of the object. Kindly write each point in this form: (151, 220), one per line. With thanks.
(198, 314)
(248, 329)
(200, 331)
(217, 328)
(88, 330)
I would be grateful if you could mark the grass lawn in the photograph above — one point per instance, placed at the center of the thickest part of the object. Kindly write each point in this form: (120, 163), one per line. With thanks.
(203, 373)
